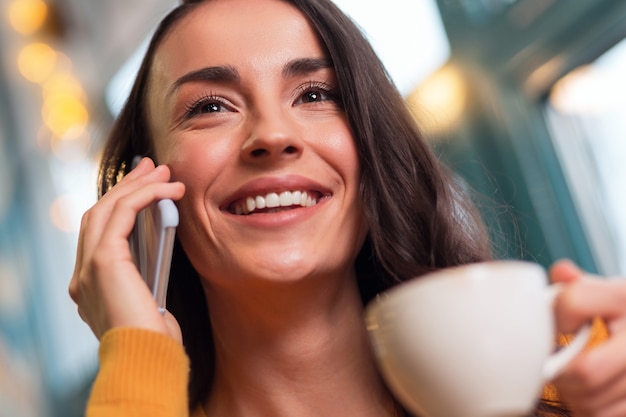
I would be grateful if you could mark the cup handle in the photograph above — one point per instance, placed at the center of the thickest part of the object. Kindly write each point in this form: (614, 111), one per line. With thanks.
(557, 362)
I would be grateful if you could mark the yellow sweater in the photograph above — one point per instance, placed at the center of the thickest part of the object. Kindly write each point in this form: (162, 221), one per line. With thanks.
(145, 374)
(142, 374)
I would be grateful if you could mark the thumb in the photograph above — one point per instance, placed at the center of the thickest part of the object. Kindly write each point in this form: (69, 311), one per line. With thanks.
(565, 271)
(569, 314)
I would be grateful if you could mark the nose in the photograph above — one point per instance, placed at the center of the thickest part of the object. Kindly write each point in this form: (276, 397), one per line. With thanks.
(273, 137)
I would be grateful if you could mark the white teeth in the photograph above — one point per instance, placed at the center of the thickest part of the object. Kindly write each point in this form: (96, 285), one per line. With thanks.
(273, 200)
(285, 198)
(250, 204)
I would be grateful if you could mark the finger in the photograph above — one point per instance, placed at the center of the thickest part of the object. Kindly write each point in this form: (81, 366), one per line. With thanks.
(110, 266)
(145, 164)
(565, 271)
(115, 295)
(617, 409)
(100, 213)
(597, 369)
(173, 327)
(144, 174)
(604, 398)
(122, 219)
(73, 287)
(106, 285)
(602, 403)
(112, 259)
(588, 298)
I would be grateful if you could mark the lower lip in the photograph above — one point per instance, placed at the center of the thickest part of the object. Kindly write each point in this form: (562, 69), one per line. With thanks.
(280, 218)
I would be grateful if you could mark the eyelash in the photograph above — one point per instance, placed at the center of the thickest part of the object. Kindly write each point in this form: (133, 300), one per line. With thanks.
(313, 86)
(194, 107)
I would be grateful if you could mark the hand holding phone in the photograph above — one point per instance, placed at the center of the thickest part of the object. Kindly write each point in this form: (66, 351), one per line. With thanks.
(152, 243)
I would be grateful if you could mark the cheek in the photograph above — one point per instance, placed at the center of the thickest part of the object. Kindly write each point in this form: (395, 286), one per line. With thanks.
(194, 160)
(198, 162)
(340, 151)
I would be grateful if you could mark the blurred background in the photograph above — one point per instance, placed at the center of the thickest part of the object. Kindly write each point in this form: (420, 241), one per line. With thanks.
(524, 99)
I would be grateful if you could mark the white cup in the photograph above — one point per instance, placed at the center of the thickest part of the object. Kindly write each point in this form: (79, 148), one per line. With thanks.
(470, 341)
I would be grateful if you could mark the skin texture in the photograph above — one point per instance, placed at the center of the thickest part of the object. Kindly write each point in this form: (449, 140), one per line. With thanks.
(281, 289)
(285, 311)
(264, 138)
(106, 285)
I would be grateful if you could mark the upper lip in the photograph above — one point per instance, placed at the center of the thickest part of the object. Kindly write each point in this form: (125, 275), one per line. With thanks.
(265, 185)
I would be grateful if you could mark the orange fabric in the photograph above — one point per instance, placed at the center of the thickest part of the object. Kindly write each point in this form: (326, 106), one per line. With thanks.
(599, 333)
(142, 373)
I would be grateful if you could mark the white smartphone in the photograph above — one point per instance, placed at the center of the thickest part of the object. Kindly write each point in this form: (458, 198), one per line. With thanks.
(152, 243)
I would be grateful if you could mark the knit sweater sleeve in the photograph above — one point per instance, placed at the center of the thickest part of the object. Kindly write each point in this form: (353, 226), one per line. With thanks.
(142, 373)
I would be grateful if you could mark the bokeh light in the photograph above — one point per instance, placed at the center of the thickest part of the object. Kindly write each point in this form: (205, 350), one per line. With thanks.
(65, 213)
(65, 115)
(584, 91)
(27, 16)
(438, 104)
(36, 62)
(63, 82)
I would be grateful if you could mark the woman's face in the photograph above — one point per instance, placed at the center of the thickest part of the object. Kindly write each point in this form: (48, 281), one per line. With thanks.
(244, 108)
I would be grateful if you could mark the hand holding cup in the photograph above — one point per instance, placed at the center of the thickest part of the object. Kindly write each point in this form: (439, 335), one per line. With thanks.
(470, 341)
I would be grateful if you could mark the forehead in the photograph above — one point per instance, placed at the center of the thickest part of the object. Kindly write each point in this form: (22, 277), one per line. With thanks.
(242, 33)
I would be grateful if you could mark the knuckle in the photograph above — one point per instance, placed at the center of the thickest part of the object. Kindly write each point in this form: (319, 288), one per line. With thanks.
(124, 203)
(85, 217)
(74, 289)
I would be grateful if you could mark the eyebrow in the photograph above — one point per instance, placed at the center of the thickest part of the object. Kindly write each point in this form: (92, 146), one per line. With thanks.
(303, 66)
(223, 74)
(229, 74)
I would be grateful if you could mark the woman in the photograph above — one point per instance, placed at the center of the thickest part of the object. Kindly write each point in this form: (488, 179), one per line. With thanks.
(304, 190)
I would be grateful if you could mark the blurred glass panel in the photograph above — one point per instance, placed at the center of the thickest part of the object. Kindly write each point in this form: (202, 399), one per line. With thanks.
(409, 38)
(586, 111)
(481, 10)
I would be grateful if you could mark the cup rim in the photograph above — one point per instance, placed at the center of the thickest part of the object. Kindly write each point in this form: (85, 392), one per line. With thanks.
(453, 273)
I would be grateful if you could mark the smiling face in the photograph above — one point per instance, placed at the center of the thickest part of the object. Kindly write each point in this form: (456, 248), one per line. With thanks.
(244, 108)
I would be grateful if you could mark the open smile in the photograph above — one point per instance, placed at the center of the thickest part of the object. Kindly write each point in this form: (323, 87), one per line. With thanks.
(274, 202)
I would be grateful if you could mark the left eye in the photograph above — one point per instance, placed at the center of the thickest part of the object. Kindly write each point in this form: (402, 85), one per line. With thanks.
(315, 94)
(211, 108)
(206, 105)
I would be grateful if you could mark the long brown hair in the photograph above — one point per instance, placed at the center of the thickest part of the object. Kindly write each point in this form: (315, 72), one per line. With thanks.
(418, 216)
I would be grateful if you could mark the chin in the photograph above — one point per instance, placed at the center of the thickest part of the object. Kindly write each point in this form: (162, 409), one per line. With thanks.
(289, 266)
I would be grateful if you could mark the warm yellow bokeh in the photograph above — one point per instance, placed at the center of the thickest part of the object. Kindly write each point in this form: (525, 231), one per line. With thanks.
(37, 61)
(63, 82)
(438, 103)
(65, 115)
(27, 16)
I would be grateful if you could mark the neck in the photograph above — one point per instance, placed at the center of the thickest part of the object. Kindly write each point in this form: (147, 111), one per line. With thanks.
(293, 349)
